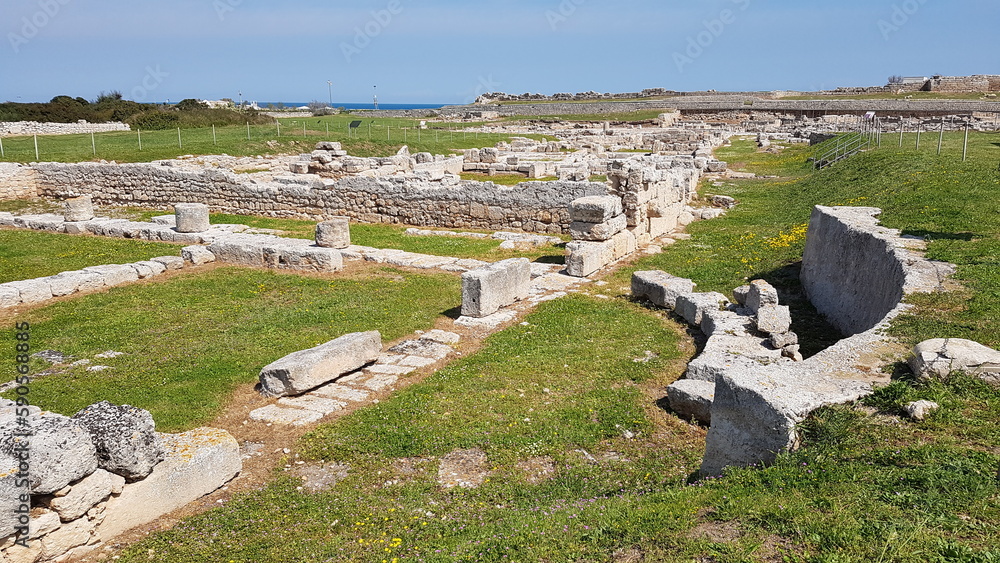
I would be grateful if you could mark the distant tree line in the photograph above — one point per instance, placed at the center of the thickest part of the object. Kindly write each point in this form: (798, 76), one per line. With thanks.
(111, 106)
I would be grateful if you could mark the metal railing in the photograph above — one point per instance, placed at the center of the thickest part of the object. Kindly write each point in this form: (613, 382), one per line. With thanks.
(868, 134)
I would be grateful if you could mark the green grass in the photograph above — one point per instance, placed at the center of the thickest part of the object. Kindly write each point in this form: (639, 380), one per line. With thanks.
(953, 204)
(191, 339)
(913, 95)
(864, 488)
(26, 255)
(623, 116)
(376, 137)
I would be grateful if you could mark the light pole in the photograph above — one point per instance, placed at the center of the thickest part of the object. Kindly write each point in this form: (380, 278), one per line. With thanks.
(329, 84)
(241, 98)
(375, 88)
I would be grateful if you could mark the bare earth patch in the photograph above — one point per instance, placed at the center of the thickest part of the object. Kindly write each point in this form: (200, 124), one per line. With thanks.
(463, 468)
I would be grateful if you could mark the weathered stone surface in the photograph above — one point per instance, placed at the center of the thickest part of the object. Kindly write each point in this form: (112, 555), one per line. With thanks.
(920, 410)
(275, 414)
(690, 398)
(334, 233)
(68, 536)
(441, 336)
(756, 409)
(488, 289)
(304, 258)
(115, 274)
(322, 405)
(244, 250)
(32, 291)
(939, 357)
(660, 288)
(61, 452)
(196, 463)
(585, 258)
(153, 268)
(68, 283)
(598, 231)
(86, 493)
(191, 217)
(785, 339)
(79, 209)
(741, 293)
(124, 436)
(342, 392)
(693, 306)
(423, 347)
(595, 209)
(725, 322)
(170, 262)
(10, 296)
(760, 294)
(301, 371)
(727, 352)
(774, 319)
(9, 492)
(197, 255)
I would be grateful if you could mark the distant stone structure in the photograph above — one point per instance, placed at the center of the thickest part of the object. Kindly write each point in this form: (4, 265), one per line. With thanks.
(13, 128)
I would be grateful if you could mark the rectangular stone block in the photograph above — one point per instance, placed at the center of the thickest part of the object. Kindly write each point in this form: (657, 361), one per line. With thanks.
(242, 250)
(486, 290)
(115, 274)
(623, 244)
(79, 209)
(10, 296)
(660, 288)
(598, 231)
(693, 306)
(33, 291)
(301, 371)
(307, 258)
(584, 258)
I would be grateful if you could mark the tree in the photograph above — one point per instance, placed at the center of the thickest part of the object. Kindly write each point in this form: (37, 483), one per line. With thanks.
(191, 104)
(109, 97)
(895, 79)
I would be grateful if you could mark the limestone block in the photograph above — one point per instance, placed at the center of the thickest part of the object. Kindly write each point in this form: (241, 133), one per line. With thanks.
(86, 493)
(79, 209)
(584, 258)
(329, 146)
(489, 155)
(741, 293)
(690, 398)
(60, 451)
(124, 436)
(598, 231)
(761, 293)
(784, 340)
(774, 319)
(623, 244)
(43, 522)
(196, 463)
(595, 209)
(334, 233)
(488, 289)
(693, 306)
(660, 288)
(191, 217)
(941, 356)
(301, 371)
(153, 268)
(323, 406)
(170, 262)
(68, 536)
(244, 250)
(304, 258)
(165, 220)
(920, 410)
(298, 167)
(32, 291)
(10, 296)
(9, 493)
(114, 274)
(725, 322)
(275, 414)
(68, 283)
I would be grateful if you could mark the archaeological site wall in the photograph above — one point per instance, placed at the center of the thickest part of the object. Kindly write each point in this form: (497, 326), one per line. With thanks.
(17, 181)
(530, 206)
(38, 128)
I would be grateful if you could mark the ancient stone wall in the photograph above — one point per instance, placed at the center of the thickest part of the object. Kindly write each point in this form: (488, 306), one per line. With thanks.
(853, 270)
(530, 206)
(37, 128)
(17, 181)
(976, 83)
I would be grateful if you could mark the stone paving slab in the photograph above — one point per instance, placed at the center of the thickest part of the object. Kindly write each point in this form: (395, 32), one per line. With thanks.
(322, 405)
(275, 414)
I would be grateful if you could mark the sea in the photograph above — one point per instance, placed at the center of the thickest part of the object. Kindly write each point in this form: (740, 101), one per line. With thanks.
(368, 105)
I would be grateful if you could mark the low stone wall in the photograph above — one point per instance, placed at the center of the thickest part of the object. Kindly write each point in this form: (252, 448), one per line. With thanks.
(530, 206)
(853, 270)
(10, 128)
(17, 181)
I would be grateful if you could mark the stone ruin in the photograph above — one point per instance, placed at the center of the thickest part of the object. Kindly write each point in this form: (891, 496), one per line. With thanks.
(750, 382)
(79, 481)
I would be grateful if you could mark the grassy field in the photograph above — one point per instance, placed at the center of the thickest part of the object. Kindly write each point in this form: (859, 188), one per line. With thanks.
(583, 464)
(30, 254)
(191, 339)
(375, 137)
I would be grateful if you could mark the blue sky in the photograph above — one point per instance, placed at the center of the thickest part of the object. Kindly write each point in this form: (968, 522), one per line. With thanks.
(446, 51)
